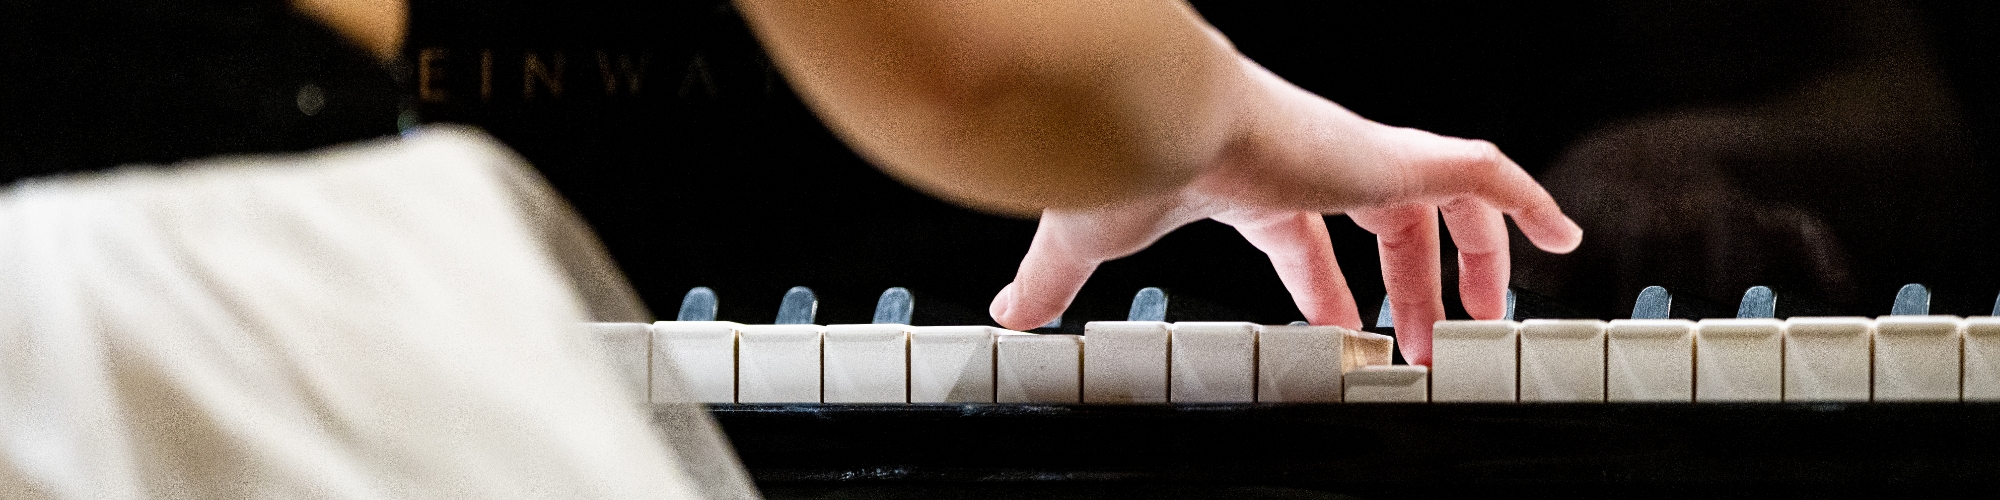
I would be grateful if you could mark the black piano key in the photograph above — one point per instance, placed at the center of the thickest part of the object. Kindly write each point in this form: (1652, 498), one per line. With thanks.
(1526, 304)
(895, 306)
(1509, 315)
(1150, 304)
(1912, 300)
(1654, 302)
(1758, 302)
(698, 305)
(800, 307)
(1996, 306)
(1385, 323)
(1951, 301)
(1386, 318)
(1806, 302)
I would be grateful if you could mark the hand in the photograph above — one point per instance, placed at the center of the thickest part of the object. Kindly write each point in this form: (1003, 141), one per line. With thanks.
(1708, 202)
(1298, 156)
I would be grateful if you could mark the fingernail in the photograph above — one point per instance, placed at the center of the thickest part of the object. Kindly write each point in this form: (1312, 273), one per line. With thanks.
(1002, 303)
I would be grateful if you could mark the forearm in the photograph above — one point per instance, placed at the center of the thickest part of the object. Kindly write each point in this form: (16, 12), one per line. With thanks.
(376, 25)
(1015, 106)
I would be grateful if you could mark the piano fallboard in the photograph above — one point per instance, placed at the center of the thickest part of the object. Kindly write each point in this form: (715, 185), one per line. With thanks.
(1393, 449)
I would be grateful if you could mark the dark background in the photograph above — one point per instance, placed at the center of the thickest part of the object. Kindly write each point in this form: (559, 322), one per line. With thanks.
(712, 173)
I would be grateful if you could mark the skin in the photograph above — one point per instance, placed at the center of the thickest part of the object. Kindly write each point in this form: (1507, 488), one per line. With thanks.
(375, 25)
(1119, 121)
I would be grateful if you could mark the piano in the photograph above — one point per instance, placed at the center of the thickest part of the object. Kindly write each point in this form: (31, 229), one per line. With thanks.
(659, 119)
(1232, 410)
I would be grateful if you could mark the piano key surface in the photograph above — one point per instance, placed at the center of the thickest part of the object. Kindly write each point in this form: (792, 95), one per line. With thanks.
(703, 353)
(952, 364)
(1982, 359)
(1649, 360)
(1917, 358)
(1213, 362)
(1300, 364)
(866, 364)
(1739, 359)
(1828, 358)
(1721, 373)
(1905, 357)
(1475, 361)
(778, 363)
(1039, 369)
(1562, 361)
(1125, 361)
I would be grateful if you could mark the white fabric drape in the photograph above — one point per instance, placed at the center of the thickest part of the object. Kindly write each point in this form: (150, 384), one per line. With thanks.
(396, 319)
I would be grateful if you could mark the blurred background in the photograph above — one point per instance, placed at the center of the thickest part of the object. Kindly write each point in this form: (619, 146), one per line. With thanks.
(1830, 149)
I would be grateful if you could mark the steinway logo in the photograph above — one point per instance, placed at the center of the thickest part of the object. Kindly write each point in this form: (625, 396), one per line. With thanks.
(457, 76)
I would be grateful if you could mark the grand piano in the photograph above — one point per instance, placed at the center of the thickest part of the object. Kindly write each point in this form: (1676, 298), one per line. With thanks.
(672, 134)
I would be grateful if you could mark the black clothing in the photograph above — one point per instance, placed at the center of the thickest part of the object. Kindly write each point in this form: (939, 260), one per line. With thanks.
(96, 84)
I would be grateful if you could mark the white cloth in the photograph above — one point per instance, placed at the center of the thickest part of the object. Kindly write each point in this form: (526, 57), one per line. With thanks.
(383, 320)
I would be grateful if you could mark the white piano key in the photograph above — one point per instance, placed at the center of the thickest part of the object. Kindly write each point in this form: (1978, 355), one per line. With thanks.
(1213, 362)
(778, 363)
(1562, 360)
(1125, 361)
(1388, 384)
(1033, 368)
(1982, 358)
(1917, 358)
(625, 346)
(866, 364)
(1649, 360)
(1360, 349)
(705, 354)
(1739, 360)
(1300, 364)
(1828, 358)
(1474, 361)
(952, 364)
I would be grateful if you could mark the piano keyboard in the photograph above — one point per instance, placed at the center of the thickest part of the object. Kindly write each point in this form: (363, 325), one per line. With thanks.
(1906, 356)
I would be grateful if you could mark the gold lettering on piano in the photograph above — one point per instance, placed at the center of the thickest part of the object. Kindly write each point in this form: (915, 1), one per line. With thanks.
(625, 70)
(532, 70)
(486, 75)
(430, 73)
(447, 76)
(697, 69)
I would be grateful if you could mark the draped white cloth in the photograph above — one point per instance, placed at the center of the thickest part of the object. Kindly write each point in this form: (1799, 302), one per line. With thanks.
(395, 319)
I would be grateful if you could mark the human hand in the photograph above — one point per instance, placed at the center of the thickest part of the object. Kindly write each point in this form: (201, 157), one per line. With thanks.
(1705, 202)
(1297, 156)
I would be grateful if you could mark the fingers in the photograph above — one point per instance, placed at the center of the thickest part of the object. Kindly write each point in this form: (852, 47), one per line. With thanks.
(1437, 168)
(1302, 252)
(1408, 238)
(1481, 235)
(1047, 281)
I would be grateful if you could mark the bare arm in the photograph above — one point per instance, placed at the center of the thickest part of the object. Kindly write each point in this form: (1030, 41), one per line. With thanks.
(1122, 120)
(376, 25)
(1011, 105)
